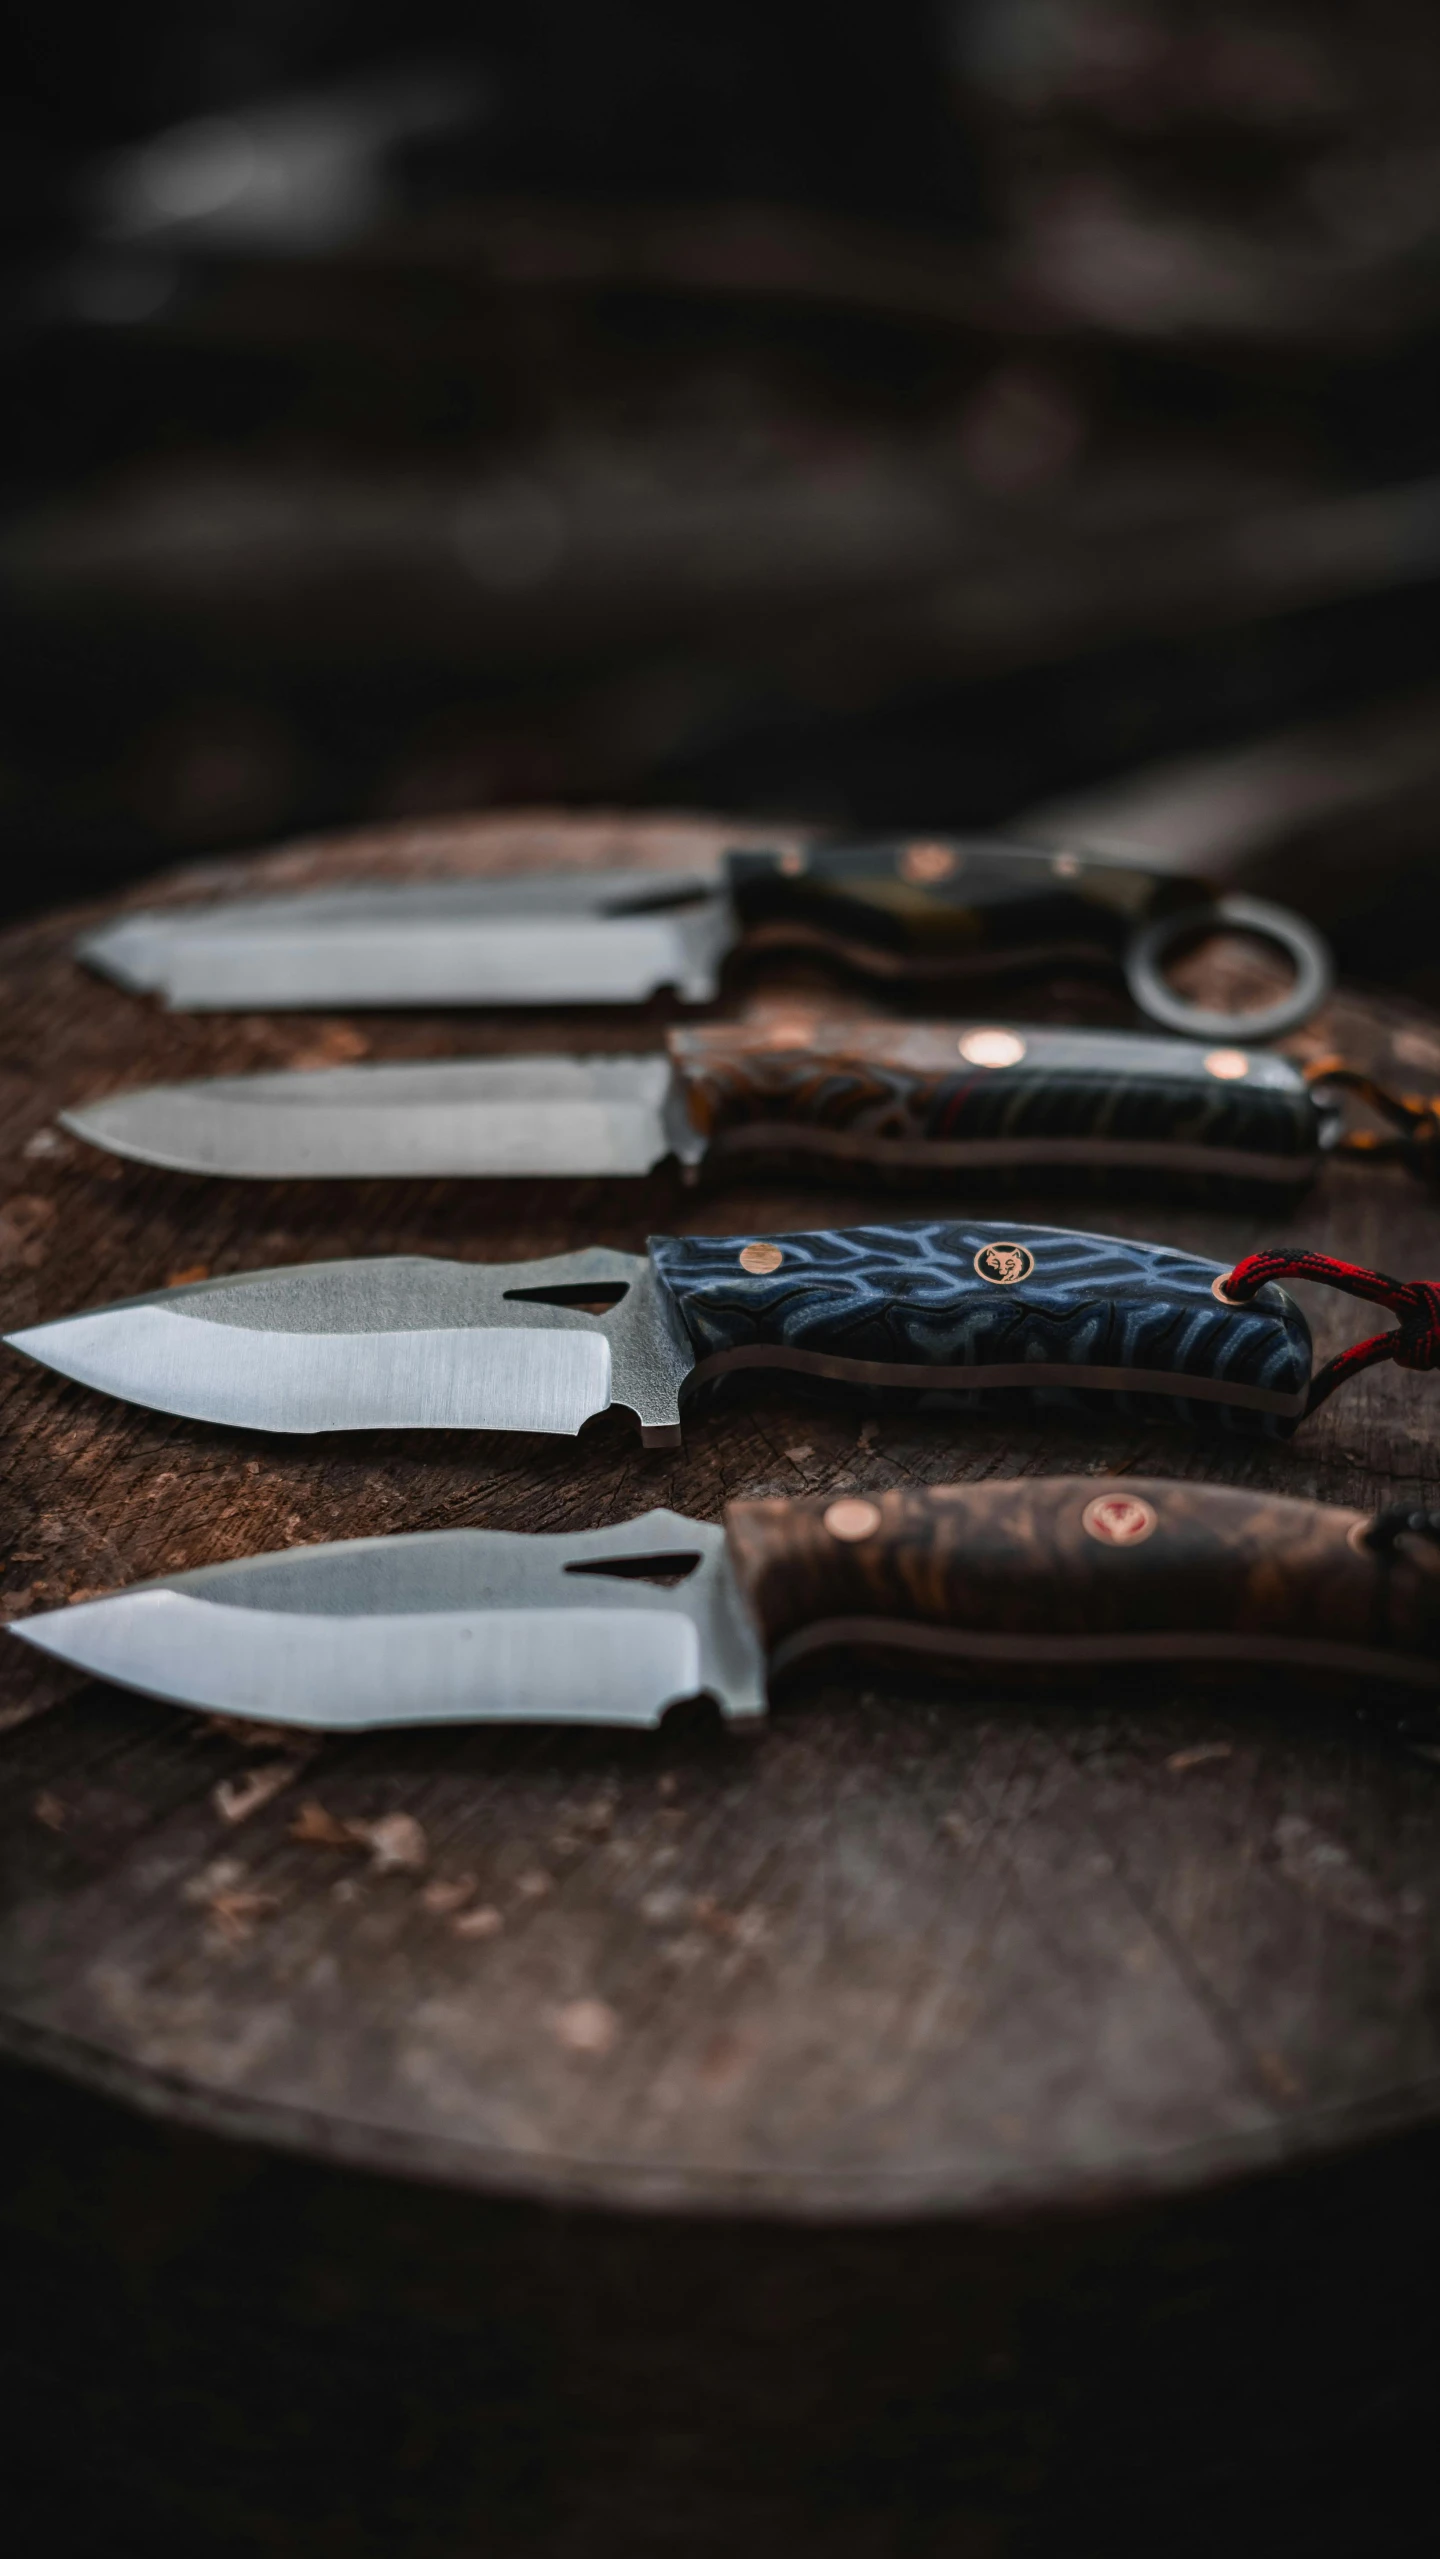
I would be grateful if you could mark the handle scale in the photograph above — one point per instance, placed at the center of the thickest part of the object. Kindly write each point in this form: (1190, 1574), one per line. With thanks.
(983, 1099)
(1027, 1315)
(1052, 1572)
(949, 905)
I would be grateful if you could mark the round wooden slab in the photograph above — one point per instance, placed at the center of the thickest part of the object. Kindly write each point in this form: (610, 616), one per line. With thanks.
(916, 1953)
(914, 1945)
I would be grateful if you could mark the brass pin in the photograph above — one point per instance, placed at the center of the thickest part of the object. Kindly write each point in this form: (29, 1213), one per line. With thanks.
(852, 1520)
(991, 1048)
(924, 864)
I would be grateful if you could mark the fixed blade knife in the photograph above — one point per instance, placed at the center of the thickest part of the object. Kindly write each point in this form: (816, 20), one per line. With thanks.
(614, 1625)
(938, 911)
(917, 1099)
(976, 1311)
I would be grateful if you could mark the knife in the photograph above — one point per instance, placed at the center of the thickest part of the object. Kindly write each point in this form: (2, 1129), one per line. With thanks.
(613, 1625)
(939, 910)
(917, 1098)
(1019, 1315)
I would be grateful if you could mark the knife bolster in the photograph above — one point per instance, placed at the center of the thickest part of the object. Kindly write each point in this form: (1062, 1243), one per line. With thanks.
(1075, 1572)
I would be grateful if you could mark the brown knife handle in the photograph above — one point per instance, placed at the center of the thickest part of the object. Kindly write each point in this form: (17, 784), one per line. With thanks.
(982, 1096)
(805, 1070)
(1068, 1572)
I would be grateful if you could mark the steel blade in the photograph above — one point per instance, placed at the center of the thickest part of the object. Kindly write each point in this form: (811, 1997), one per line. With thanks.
(391, 1344)
(603, 937)
(457, 1625)
(473, 1118)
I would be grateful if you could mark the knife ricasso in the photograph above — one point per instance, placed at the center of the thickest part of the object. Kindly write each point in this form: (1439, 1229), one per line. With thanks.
(1046, 1574)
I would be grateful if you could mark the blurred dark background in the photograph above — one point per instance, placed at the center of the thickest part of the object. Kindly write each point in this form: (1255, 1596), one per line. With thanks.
(960, 412)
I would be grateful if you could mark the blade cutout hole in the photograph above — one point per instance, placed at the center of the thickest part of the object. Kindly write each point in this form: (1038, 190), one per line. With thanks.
(664, 1570)
(585, 1297)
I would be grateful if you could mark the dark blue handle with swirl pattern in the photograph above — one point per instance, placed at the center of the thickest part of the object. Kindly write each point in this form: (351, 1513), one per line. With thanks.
(1035, 1312)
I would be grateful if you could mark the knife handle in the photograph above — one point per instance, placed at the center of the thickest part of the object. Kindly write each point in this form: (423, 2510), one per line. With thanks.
(948, 904)
(932, 1097)
(1057, 1571)
(1031, 1315)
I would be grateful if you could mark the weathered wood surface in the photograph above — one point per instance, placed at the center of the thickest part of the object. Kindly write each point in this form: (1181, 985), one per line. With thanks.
(915, 1946)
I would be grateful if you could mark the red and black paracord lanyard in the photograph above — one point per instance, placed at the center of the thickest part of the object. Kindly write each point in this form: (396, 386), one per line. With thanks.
(1414, 1342)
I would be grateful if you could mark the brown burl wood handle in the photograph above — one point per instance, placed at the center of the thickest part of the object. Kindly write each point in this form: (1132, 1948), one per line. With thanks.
(986, 1094)
(1062, 1571)
(813, 1070)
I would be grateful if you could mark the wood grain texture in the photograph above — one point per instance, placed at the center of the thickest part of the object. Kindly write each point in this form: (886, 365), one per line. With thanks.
(685, 1886)
(981, 2003)
(1046, 1560)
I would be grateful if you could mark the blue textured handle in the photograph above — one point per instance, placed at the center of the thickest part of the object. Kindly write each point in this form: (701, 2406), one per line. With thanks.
(991, 1309)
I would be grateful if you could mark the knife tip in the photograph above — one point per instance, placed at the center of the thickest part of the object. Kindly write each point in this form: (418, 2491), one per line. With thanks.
(94, 1124)
(118, 955)
(27, 1630)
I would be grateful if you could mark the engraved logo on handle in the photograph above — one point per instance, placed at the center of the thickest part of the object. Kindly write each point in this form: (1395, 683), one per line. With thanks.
(1004, 1264)
(1119, 1519)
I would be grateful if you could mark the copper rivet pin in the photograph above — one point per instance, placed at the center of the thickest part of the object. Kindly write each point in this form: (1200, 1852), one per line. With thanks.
(924, 863)
(1228, 1065)
(1119, 1519)
(852, 1520)
(792, 863)
(991, 1048)
(760, 1259)
(1004, 1264)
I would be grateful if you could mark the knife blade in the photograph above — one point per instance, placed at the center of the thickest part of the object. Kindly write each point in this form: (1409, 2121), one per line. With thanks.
(894, 1097)
(937, 911)
(1029, 1315)
(614, 1625)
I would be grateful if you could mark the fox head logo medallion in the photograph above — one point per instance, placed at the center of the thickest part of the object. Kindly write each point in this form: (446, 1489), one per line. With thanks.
(1004, 1264)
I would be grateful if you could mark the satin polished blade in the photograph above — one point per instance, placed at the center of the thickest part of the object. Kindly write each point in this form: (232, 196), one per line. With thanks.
(454, 1626)
(474, 1118)
(392, 1344)
(599, 937)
